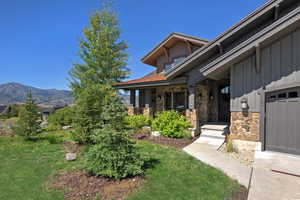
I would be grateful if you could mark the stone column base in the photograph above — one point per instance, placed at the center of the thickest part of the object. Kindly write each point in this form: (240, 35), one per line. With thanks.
(192, 116)
(131, 110)
(148, 111)
(242, 146)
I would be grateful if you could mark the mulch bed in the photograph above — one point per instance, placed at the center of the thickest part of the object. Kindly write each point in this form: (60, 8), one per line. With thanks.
(173, 142)
(5, 133)
(83, 186)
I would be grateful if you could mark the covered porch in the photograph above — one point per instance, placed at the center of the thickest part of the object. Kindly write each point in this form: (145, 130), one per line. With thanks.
(206, 102)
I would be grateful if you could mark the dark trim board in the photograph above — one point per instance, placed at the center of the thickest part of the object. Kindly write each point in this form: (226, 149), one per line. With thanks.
(262, 121)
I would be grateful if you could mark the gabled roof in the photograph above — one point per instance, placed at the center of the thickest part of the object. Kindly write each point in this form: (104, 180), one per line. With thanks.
(205, 50)
(150, 58)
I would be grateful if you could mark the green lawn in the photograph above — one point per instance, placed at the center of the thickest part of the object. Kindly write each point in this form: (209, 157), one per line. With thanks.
(26, 167)
(177, 175)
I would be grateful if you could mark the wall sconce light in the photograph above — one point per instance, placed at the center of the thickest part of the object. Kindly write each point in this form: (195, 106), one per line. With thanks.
(159, 97)
(200, 96)
(211, 96)
(244, 103)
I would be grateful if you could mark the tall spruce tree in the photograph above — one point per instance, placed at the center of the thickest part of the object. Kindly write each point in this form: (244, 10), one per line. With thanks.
(102, 53)
(28, 124)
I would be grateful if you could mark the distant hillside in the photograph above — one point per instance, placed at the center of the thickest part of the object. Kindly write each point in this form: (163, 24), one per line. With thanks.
(12, 93)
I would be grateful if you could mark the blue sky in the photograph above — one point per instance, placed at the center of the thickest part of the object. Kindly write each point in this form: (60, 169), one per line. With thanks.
(39, 38)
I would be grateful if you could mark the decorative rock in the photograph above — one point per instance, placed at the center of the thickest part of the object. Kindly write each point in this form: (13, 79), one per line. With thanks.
(155, 133)
(71, 156)
(66, 127)
(193, 132)
(146, 128)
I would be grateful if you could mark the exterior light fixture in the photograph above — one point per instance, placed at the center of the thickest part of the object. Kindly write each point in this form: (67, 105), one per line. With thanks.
(211, 96)
(244, 103)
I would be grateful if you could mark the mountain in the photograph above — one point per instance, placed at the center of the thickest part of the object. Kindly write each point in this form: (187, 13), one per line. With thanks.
(12, 93)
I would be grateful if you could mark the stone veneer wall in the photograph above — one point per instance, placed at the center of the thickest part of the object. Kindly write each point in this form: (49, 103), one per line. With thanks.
(245, 126)
(131, 110)
(192, 115)
(201, 103)
(147, 111)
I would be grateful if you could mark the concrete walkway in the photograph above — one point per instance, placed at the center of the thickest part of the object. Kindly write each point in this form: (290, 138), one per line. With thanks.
(208, 154)
(276, 176)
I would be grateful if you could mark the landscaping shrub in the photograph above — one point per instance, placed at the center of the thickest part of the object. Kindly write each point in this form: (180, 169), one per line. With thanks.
(62, 117)
(137, 122)
(52, 127)
(114, 156)
(171, 124)
(97, 106)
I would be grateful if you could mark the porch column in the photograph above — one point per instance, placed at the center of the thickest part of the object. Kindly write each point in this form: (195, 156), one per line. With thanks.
(131, 107)
(192, 112)
(132, 98)
(148, 98)
(148, 102)
(141, 98)
(192, 97)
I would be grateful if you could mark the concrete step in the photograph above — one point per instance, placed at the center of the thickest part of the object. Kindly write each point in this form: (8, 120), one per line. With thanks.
(214, 131)
(216, 142)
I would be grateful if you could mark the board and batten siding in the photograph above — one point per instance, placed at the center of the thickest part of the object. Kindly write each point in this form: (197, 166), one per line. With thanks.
(280, 65)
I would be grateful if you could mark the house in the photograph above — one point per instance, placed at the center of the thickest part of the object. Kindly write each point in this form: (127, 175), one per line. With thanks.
(248, 77)
(3, 108)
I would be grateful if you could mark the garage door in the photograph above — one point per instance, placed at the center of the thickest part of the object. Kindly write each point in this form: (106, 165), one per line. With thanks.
(283, 121)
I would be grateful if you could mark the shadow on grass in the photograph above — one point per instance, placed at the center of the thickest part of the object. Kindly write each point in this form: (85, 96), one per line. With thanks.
(151, 163)
(50, 138)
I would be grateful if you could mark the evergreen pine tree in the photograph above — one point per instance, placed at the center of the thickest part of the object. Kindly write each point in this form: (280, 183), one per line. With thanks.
(28, 124)
(102, 53)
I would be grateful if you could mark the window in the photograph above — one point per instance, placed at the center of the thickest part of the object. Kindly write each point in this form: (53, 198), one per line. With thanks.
(169, 66)
(178, 60)
(282, 95)
(168, 100)
(293, 94)
(176, 101)
(179, 101)
(272, 97)
(225, 90)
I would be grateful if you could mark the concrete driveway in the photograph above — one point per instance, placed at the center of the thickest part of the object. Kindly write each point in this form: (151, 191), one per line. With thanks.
(276, 176)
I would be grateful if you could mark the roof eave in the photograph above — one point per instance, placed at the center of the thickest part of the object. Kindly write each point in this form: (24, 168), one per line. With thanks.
(200, 41)
(251, 17)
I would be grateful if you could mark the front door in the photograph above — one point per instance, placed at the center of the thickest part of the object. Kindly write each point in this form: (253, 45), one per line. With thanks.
(224, 104)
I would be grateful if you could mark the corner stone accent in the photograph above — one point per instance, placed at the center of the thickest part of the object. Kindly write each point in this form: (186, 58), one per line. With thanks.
(245, 126)
(191, 114)
(130, 110)
(147, 111)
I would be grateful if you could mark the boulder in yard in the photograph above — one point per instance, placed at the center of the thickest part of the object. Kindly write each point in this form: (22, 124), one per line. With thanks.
(155, 133)
(66, 127)
(71, 156)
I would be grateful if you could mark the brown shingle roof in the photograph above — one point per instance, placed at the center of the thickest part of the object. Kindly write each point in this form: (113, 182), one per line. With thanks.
(153, 77)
